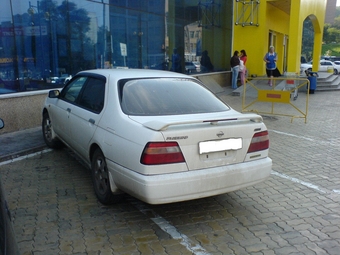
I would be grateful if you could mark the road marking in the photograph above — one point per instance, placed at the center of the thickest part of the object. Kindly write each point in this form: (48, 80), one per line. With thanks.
(307, 184)
(333, 142)
(292, 135)
(24, 157)
(196, 249)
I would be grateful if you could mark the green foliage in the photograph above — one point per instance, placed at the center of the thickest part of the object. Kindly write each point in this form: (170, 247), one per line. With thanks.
(331, 49)
(331, 32)
(331, 36)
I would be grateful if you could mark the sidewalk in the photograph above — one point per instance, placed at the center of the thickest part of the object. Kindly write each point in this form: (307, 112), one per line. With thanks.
(19, 143)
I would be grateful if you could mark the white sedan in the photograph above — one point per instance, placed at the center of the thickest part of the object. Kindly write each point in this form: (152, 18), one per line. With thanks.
(324, 66)
(337, 65)
(159, 136)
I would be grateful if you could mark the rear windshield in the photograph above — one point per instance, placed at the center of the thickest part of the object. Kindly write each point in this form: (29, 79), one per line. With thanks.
(167, 96)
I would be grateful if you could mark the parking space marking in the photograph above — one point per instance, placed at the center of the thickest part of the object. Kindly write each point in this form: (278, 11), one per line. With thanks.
(307, 184)
(163, 224)
(292, 135)
(329, 142)
(293, 179)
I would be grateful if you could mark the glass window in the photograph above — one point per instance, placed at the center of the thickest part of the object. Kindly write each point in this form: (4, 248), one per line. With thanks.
(149, 97)
(92, 97)
(71, 91)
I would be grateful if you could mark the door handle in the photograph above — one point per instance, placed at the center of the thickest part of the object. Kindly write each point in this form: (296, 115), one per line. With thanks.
(68, 109)
(92, 121)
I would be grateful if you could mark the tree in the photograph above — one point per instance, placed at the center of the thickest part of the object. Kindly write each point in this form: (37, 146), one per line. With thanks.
(331, 32)
(76, 23)
(307, 39)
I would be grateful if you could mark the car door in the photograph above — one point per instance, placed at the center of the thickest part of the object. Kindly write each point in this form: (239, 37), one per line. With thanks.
(60, 111)
(86, 115)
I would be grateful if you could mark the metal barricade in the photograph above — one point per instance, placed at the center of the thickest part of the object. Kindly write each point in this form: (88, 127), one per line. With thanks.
(283, 91)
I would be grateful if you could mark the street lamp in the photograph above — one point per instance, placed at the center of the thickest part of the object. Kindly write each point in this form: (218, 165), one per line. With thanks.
(31, 9)
(53, 33)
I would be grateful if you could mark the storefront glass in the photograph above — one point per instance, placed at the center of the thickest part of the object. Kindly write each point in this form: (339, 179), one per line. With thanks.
(44, 43)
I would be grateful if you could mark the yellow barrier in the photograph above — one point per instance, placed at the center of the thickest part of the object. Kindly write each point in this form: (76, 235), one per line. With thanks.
(330, 69)
(283, 91)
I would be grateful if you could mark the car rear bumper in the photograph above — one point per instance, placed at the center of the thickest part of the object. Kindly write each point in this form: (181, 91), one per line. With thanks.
(175, 187)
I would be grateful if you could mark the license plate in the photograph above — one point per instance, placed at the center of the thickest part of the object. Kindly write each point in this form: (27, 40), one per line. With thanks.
(221, 145)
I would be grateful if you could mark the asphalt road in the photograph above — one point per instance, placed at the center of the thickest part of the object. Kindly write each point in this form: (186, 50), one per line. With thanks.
(296, 211)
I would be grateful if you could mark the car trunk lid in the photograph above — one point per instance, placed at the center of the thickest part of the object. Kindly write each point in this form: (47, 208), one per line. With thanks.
(208, 140)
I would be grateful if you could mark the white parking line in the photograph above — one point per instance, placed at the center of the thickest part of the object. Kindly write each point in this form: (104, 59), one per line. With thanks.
(196, 249)
(293, 179)
(292, 135)
(307, 184)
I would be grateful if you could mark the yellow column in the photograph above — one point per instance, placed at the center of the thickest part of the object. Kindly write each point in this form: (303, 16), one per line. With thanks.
(295, 38)
(318, 34)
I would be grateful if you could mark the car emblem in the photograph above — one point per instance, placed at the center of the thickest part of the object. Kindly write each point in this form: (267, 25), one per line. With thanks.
(220, 134)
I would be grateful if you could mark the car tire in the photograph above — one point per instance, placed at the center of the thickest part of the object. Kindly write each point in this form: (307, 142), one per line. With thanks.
(336, 71)
(47, 130)
(101, 181)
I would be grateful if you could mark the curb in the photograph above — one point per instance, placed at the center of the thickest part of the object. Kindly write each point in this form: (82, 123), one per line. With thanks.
(22, 153)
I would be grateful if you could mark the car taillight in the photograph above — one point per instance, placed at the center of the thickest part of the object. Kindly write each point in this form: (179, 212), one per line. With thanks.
(259, 142)
(156, 153)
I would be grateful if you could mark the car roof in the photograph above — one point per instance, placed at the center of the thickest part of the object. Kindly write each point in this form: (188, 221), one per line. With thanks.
(135, 73)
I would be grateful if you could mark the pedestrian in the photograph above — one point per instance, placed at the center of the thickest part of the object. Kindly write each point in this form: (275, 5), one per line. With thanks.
(243, 68)
(270, 58)
(206, 65)
(235, 64)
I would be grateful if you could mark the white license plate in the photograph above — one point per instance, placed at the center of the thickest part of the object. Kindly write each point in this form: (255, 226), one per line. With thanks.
(222, 145)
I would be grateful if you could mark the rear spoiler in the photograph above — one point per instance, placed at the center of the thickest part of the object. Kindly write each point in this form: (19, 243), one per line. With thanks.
(162, 125)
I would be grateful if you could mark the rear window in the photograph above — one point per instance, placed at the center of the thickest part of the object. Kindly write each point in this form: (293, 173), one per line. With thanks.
(167, 96)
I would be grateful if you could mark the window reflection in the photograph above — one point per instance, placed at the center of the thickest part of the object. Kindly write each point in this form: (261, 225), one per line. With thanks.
(44, 42)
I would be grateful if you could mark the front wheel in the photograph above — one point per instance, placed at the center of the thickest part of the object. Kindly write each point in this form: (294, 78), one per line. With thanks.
(336, 71)
(47, 130)
(101, 181)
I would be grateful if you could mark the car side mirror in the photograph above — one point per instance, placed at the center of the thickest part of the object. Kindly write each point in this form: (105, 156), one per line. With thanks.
(53, 93)
(2, 123)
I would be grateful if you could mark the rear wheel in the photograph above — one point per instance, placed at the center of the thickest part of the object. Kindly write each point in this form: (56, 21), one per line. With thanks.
(101, 181)
(47, 130)
(336, 71)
